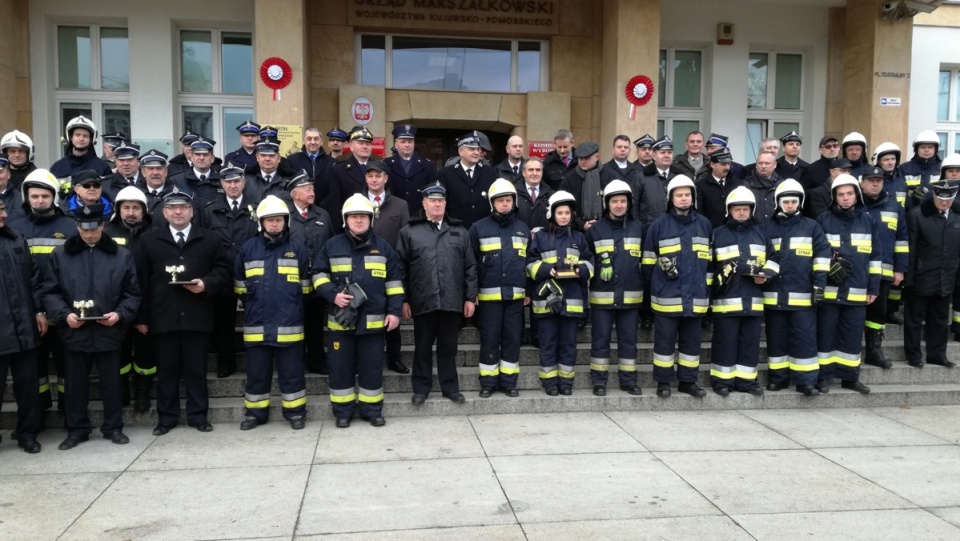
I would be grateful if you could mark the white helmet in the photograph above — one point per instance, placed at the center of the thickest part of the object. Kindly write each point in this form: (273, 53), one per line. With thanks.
(41, 178)
(741, 195)
(357, 204)
(560, 198)
(681, 181)
(883, 150)
(845, 180)
(788, 187)
(617, 187)
(854, 138)
(82, 122)
(950, 162)
(927, 137)
(272, 206)
(500, 188)
(18, 139)
(131, 193)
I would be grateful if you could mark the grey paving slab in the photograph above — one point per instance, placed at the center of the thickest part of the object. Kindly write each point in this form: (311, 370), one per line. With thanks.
(271, 444)
(940, 421)
(236, 503)
(403, 438)
(96, 455)
(40, 507)
(475, 533)
(595, 487)
(652, 529)
(927, 476)
(873, 525)
(777, 481)
(949, 514)
(551, 434)
(699, 431)
(841, 428)
(402, 495)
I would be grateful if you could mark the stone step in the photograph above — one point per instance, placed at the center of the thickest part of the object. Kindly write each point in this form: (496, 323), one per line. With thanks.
(230, 410)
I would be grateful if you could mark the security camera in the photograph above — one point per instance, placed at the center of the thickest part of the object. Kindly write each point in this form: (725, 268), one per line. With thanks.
(889, 7)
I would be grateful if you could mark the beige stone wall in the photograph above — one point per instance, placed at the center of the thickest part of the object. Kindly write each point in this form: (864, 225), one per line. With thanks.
(948, 15)
(833, 113)
(330, 53)
(15, 67)
(288, 44)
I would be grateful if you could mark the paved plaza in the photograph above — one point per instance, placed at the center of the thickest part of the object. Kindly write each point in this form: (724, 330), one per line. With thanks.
(851, 474)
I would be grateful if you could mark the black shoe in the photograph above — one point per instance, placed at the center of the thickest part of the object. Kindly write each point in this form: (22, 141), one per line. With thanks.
(944, 363)
(512, 393)
(884, 364)
(398, 367)
(535, 342)
(117, 437)
(30, 445)
(552, 391)
(486, 392)
(298, 422)
(722, 391)
(755, 390)
(600, 390)
(161, 429)
(823, 386)
(226, 370)
(456, 398)
(343, 422)
(73, 441)
(777, 386)
(691, 389)
(418, 399)
(916, 364)
(249, 423)
(855, 386)
(894, 318)
(376, 421)
(202, 425)
(808, 390)
(663, 390)
(566, 391)
(632, 389)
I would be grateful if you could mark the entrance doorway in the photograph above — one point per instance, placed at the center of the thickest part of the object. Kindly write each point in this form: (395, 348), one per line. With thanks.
(439, 145)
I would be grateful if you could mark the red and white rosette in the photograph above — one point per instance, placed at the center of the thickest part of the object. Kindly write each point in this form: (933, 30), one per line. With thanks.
(639, 92)
(276, 73)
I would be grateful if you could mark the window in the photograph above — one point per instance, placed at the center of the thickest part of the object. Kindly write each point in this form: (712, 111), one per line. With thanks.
(679, 93)
(948, 111)
(450, 63)
(93, 77)
(216, 83)
(774, 97)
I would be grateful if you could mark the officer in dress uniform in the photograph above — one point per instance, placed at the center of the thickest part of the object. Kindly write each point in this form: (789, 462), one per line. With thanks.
(182, 162)
(272, 277)
(265, 177)
(127, 160)
(409, 172)
(616, 290)
(358, 274)
(499, 244)
(202, 179)
(246, 155)
(349, 175)
(336, 139)
(467, 181)
(154, 183)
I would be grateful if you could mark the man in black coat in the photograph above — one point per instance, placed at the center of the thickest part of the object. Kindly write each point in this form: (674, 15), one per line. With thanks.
(467, 181)
(246, 155)
(652, 198)
(694, 161)
(511, 168)
(202, 179)
(713, 187)
(586, 172)
(763, 182)
(317, 163)
(266, 177)
(179, 317)
(933, 278)
(533, 195)
(155, 183)
(560, 161)
(349, 175)
(820, 198)
(408, 171)
(790, 165)
(619, 166)
(91, 276)
(818, 172)
(127, 160)
(23, 324)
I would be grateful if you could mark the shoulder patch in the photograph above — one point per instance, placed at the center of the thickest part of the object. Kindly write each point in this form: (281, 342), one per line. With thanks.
(374, 251)
(290, 254)
(59, 235)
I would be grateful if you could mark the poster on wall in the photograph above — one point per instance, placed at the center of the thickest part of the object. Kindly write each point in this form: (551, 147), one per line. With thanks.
(291, 137)
(540, 149)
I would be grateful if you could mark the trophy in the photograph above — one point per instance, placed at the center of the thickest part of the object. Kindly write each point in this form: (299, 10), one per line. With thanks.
(83, 306)
(753, 268)
(572, 262)
(174, 270)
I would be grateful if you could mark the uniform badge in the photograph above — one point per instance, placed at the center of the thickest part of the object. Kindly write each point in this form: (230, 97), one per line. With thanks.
(336, 346)
(374, 252)
(289, 254)
(58, 235)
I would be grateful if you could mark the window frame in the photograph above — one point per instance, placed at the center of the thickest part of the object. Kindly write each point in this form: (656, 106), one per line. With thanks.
(950, 128)
(514, 61)
(668, 113)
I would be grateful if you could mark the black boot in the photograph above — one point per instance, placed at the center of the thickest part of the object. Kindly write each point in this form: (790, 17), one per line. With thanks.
(875, 356)
(141, 392)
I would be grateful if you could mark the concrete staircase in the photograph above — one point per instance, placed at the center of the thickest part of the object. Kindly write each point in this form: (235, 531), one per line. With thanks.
(900, 386)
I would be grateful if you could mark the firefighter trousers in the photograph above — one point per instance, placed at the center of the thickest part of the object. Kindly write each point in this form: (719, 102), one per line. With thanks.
(839, 340)
(791, 350)
(602, 323)
(558, 351)
(671, 334)
(501, 327)
(356, 373)
(293, 387)
(735, 352)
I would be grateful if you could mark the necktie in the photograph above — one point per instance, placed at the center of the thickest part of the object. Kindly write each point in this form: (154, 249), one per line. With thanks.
(180, 239)
(313, 157)
(267, 178)
(516, 170)
(131, 181)
(203, 178)
(303, 213)
(376, 200)
(566, 161)
(236, 206)
(470, 173)
(944, 214)
(155, 193)
(533, 193)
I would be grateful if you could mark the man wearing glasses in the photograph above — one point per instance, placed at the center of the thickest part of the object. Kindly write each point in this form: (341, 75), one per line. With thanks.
(818, 172)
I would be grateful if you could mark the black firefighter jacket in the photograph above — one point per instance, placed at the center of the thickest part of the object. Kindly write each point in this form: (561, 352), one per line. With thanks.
(20, 300)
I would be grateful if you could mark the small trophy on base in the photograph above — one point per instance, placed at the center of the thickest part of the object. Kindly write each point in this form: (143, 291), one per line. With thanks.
(753, 268)
(572, 262)
(83, 306)
(174, 270)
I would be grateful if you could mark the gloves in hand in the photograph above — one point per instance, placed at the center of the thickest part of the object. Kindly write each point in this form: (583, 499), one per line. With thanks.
(551, 292)
(724, 279)
(818, 295)
(669, 267)
(917, 193)
(839, 271)
(606, 267)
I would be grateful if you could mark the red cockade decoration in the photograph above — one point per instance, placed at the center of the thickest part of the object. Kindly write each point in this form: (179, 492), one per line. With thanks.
(276, 73)
(639, 92)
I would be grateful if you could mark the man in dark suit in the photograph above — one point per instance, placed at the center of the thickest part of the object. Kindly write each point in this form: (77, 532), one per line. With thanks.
(246, 155)
(179, 317)
(349, 176)
(409, 172)
(511, 168)
(317, 163)
(467, 182)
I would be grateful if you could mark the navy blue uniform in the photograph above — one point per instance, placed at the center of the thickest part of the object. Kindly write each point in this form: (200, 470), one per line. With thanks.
(467, 196)
(895, 250)
(406, 178)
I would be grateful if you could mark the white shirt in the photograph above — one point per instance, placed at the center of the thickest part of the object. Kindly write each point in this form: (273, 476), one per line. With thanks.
(263, 174)
(372, 196)
(186, 233)
(198, 173)
(239, 201)
(621, 165)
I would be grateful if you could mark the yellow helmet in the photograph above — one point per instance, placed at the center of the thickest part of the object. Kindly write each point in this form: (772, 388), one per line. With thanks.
(500, 188)
(272, 206)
